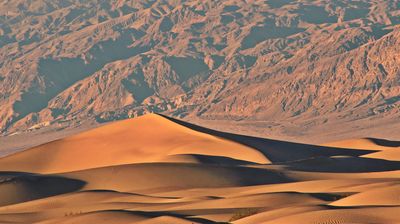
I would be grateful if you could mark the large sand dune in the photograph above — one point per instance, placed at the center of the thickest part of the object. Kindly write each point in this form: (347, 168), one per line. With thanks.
(157, 170)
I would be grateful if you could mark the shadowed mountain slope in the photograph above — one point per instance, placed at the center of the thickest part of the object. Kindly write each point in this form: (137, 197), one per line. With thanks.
(309, 63)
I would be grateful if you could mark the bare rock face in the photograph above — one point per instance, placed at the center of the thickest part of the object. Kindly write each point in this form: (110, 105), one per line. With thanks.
(66, 61)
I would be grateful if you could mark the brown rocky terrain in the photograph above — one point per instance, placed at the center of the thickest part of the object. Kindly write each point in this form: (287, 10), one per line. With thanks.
(308, 63)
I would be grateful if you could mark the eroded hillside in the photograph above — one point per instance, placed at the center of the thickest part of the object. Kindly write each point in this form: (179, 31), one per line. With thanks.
(66, 61)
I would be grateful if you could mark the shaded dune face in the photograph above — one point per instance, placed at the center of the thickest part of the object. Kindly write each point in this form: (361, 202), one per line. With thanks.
(155, 169)
(279, 151)
(20, 187)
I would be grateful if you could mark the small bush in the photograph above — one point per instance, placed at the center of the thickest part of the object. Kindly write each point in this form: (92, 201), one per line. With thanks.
(242, 213)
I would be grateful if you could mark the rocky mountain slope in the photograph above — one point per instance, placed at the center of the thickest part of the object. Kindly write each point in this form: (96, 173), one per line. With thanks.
(320, 61)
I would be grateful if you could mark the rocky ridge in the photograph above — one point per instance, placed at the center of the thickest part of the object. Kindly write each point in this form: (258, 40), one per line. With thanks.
(303, 61)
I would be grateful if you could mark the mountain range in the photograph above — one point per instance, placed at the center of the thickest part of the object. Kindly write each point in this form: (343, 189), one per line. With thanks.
(311, 63)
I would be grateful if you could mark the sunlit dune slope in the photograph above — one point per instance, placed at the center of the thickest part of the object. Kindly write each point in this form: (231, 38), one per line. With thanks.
(342, 216)
(379, 196)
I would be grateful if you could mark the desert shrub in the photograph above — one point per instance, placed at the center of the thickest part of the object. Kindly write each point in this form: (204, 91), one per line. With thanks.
(71, 213)
(242, 213)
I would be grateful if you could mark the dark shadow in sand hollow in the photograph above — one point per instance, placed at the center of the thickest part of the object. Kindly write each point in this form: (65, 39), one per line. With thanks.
(384, 142)
(18, 187)
(219, 160)
(343, 165)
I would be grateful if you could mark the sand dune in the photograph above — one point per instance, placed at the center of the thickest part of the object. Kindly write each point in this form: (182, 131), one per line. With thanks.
(149, 138)
(157, 170)
(169, 176)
